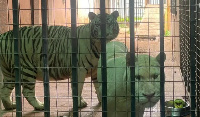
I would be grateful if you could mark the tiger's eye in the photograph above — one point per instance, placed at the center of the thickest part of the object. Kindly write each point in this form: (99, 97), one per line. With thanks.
(137, 77)
(155, 76)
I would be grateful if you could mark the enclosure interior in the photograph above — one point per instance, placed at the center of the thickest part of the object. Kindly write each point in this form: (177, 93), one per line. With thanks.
(179, 44)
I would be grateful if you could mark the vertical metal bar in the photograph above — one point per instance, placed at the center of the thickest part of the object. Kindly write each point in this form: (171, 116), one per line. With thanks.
(192, 57)
(180, 34)
(17, 58)
(198, 65)
(103, 58)
(162, 76)
(74, 41)
(45, 59)
(32, 11)
(132, 55)
(125, 15)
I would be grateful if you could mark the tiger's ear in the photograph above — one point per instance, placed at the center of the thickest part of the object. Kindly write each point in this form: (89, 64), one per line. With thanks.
(91, 15)
(128, 59)
(158, 57)
(115, 14)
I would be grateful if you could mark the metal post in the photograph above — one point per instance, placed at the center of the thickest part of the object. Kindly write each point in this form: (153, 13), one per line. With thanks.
(16, 58)
(132, 55)
(74, 41)
(162, 76)
(32, 11)
(198, 65)
(103, 58)
(192, 57)
(45, 59)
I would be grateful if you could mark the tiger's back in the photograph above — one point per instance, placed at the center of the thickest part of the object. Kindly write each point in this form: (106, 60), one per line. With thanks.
(30, 49)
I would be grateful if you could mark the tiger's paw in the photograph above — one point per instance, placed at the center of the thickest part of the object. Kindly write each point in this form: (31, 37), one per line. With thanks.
(39, 107)
(81, 102)
(10, 106)
(98, 96)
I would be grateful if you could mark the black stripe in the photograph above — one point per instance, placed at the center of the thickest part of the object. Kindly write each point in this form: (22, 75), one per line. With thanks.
(63, 34)
(94, 78)
(6, 41)
(33, 54)
(37, 35)
(56, 73)
(88, 61)
(33, 69)
(55, 30)
(89, 51)
(29, 34)
(95, 53)
(28, 75)
(84, 66)
(28, 84)
(52, 63)
(51, 48)
(10, 55)
(26, 80)
(38, 42)
(51, 72)
(22, 33)
(36, 29)
(26, 57)
(37, 32)
(59, 60)
(8, 72)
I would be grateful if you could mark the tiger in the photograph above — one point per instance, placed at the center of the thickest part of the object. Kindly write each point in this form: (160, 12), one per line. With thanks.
(147, 81)
(59, 56)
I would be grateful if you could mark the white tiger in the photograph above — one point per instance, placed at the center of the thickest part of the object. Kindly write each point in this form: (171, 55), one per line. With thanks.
(59, 56)
(147, 85)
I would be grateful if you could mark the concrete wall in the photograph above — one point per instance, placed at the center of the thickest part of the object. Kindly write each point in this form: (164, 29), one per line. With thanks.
(3, 16)
(59, 12)
(6, 14)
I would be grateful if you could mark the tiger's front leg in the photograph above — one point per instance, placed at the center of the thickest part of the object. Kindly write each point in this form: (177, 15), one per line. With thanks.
(81, 78)
(29, 93)
(8, 86)
(96, 84)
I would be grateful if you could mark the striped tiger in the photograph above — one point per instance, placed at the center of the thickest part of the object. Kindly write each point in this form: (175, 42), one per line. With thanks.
(59, 56)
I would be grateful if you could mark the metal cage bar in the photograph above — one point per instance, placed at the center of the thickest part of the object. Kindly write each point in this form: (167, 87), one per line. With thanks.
(198, 64)
(32, 12)
(189, 47)
(103, 58)
(162, 76)
(75, 74)
(192, 57)
(184, 41)
(132, 56)
(188, 22)
(45, 59)
(17, 58)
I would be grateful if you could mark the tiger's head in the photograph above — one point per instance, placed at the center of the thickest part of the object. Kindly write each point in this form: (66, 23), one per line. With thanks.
(112, 27)
(147, 79)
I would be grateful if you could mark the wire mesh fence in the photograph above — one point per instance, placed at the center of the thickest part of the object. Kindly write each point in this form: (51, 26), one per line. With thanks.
(189, 46)
(141, 57)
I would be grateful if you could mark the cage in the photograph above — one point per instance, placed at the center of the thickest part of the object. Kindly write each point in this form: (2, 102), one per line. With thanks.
(152, 60)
